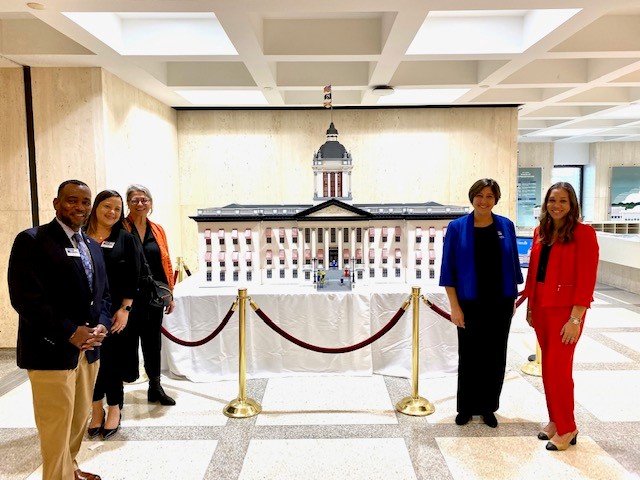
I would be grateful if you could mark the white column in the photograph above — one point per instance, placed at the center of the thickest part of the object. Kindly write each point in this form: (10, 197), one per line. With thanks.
(313, 244)
(340, 247)
(325, 234)
(352, 239)
(365, 254)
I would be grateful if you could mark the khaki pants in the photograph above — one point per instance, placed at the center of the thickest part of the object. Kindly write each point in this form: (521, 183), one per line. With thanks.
(61, 406)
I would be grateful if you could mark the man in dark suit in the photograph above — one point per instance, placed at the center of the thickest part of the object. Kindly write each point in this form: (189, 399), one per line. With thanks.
(58, 286)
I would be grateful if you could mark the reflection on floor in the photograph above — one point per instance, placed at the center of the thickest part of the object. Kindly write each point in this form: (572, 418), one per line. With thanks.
(346, 427)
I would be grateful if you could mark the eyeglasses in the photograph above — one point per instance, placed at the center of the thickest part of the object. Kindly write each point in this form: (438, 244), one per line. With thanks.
(135, 201)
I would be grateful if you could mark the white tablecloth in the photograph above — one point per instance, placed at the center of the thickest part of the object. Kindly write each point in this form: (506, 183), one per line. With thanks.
(322, 319)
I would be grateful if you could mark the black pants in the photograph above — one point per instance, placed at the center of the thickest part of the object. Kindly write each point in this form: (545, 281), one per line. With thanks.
(482, 354)
(143, 328)
(110, 375)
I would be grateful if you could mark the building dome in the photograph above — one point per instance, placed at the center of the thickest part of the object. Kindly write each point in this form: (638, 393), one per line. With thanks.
(332, 148)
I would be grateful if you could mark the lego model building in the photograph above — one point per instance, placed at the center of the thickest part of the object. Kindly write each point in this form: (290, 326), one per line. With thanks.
(331, 244)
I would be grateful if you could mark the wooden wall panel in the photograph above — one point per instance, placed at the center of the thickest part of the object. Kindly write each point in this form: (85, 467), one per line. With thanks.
(15, 196)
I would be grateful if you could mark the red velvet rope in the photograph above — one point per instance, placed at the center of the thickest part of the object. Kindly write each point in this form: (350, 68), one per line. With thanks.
(315, 348)
(438, 310)
(447, 315)
(211, 336)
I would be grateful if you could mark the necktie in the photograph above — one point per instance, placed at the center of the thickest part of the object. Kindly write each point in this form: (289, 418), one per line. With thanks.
(85, 256)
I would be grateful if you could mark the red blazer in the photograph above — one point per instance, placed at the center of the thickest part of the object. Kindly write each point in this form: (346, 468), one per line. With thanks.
(571, 272)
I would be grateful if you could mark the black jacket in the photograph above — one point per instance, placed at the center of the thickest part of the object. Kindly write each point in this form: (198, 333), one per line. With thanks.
(49, 290)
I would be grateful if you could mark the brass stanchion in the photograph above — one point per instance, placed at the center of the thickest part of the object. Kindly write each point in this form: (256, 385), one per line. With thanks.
(534, 368)
(415, 405)
(242, 407)
(179, 267)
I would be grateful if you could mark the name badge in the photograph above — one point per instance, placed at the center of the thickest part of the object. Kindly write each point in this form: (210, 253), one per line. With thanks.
(72, 252)
(107, 244)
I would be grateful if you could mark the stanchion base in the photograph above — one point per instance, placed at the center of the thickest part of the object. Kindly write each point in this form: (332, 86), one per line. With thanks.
(242, 408)
(532, 368)
(418, 407)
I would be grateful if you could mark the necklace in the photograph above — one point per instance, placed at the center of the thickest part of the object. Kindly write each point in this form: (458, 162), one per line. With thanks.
(100, 237)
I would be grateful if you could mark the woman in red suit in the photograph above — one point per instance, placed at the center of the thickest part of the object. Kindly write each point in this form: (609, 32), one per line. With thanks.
(560, 284)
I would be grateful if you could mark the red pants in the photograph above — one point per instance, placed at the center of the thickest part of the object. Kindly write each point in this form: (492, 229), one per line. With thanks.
(557, 363)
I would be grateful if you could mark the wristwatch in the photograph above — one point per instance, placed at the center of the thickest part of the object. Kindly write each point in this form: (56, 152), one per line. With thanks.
(126, 307)
(575, 320)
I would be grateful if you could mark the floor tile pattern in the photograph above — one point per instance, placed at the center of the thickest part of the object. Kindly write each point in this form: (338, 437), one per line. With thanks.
(341, 427)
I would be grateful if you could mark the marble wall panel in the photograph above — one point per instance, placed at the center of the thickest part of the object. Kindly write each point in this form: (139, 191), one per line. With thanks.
(620, 276)
(538, 155)
(141, 147)
(409, 155)
(67, 109)
(15, 196)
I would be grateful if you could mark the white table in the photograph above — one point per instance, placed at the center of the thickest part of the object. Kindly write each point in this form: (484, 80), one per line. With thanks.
(322, 319)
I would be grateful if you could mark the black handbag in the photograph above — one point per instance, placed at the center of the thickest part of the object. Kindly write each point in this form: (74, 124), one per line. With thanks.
(160, 294)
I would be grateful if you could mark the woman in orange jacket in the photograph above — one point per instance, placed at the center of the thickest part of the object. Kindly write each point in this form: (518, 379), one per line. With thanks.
(560, 284)
(146, 320)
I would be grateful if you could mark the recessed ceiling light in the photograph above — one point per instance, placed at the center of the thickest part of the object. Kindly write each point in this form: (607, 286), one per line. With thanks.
(564, 132)
(631, 112)
(485, 31)
(159, 33)
(35, 6)
(223, 97)
(421, 96)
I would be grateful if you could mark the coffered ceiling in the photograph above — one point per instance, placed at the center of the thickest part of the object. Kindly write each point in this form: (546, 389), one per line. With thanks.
(573, 67)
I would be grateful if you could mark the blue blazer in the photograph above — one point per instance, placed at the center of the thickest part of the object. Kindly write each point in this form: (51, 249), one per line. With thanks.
(458, 267)
(50, 292)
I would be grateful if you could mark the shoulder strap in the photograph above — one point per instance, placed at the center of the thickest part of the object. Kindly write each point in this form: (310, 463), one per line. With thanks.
(142, 255)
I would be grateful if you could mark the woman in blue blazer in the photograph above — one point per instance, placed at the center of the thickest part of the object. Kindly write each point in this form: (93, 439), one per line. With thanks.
(480, 272)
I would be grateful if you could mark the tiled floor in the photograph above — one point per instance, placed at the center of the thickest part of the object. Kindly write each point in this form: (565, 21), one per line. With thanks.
(339, 428)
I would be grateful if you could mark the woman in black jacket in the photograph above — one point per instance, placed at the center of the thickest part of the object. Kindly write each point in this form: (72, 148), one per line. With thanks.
(122, 259)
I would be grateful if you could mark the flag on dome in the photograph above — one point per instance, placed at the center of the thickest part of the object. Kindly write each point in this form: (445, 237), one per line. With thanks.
(327, 97)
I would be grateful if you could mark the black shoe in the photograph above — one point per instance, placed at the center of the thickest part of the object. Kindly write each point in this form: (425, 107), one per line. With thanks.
(156, 393)
(95, 431)
(110, 432)
(463, 418)
(560, 447)
(490, 420)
